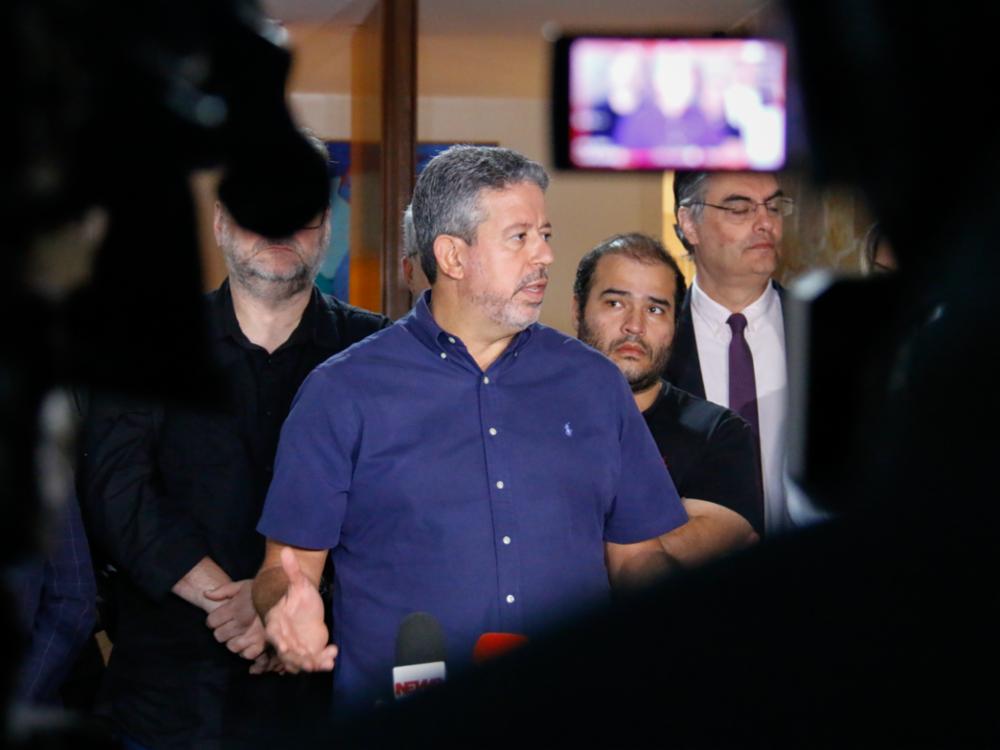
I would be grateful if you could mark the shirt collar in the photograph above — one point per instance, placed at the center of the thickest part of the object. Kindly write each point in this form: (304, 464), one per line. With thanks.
(420, 321)
(758, 311)
(716, 315)
(664, 390)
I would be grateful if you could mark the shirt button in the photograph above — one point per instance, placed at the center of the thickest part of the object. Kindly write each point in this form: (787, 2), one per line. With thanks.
(444, 356)
(451, 339)
(499, 485)
(506, 540)
(510, 598)
(493, 431)
(486, 380)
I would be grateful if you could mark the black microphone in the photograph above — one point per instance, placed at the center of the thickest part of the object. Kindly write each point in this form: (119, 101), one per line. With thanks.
(420, 654)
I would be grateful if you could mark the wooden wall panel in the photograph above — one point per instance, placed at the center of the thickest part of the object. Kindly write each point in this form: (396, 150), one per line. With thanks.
(383, 130)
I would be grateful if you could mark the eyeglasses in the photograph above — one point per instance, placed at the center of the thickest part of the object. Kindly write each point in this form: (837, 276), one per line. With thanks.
(741, 210)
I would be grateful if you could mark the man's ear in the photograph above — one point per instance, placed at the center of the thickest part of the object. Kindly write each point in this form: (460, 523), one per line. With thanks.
(451, 255)
(218, 219)
(575, 312)
(688, 225)
(407, 269)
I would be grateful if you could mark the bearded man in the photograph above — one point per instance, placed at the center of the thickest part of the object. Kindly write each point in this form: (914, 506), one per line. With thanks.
(458, 463)
(625, 298)
(172, 496)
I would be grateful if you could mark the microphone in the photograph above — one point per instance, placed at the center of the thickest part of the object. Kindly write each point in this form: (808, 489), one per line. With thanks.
(491, 645)
(420, 654)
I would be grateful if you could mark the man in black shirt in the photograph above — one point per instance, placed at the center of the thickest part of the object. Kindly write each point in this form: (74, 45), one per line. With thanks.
(172, 497)
(626, 293)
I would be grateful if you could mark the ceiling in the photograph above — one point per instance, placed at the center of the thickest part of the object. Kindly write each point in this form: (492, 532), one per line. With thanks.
(530, 17)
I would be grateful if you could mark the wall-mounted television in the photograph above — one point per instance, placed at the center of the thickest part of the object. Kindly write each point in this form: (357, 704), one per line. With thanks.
(657, 103)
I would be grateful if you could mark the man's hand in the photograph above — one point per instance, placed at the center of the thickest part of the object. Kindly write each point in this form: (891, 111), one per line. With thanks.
(267, 662)
(235, 621)
(295, 626)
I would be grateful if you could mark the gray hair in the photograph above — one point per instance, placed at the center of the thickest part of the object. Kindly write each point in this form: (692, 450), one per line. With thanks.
(409, 235)
(689, 192)
(446, 197)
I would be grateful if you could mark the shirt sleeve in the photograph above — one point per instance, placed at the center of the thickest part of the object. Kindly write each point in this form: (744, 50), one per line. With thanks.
(307, 500)
(726, 471)
(646, 504)
(148, 535)
(67, 609)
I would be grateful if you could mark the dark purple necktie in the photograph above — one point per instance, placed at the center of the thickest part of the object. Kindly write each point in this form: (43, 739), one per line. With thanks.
(743, 391)
(742, 384)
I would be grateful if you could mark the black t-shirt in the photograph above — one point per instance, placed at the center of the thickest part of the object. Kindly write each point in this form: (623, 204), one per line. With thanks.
(709, 451)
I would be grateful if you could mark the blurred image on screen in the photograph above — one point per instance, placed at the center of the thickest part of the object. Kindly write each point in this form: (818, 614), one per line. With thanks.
(676, 103)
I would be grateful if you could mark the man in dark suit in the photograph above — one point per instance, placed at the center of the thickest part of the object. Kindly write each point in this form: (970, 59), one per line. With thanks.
(626, 292)
(730, 342)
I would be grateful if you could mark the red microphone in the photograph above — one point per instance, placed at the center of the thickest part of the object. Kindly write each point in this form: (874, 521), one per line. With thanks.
(491, 645)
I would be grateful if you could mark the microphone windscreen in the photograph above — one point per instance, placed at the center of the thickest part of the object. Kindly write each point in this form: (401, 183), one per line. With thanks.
(276, 190)
(491, 645)
(420, 640)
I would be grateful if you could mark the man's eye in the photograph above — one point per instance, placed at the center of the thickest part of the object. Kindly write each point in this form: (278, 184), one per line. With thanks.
(657, 310)
(547, 236)
(739, 209)
(614, 303)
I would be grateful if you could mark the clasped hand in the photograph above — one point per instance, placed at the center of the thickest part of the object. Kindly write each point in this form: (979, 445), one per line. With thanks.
(235, 622)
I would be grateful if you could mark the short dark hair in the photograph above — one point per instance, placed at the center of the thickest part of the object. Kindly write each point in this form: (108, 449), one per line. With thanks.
(640, 247)
(689, 191)
(446, 197)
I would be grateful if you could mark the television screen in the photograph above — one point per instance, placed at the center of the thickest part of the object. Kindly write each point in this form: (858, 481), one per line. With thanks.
(630, 103)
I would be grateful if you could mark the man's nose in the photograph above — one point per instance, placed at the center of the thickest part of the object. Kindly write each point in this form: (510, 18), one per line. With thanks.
(763, 219)
(543, 254)
(634, 322)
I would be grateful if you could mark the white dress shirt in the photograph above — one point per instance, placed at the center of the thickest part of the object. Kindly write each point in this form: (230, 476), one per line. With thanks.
(765, 335)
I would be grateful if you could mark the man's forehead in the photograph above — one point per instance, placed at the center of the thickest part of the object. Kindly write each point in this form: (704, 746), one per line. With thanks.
(511, 194)
(639, 278)
(754, 185)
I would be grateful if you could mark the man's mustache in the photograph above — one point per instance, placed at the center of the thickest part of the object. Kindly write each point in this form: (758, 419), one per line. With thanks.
(631, 339)
(541, 275)
(289, 242)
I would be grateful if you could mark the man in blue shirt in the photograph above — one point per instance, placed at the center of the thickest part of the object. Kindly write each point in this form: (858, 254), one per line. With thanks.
(466, 462)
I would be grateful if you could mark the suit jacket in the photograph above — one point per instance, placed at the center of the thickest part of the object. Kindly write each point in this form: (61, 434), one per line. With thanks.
(684, 368)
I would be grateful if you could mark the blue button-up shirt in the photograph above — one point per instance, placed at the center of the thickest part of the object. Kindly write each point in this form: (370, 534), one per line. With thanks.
(483, 498)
